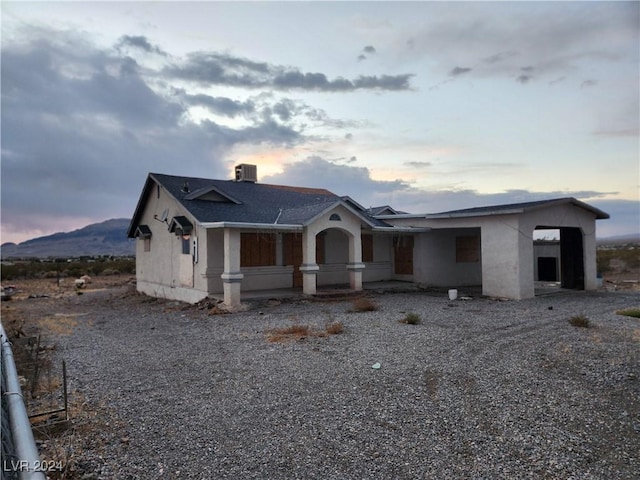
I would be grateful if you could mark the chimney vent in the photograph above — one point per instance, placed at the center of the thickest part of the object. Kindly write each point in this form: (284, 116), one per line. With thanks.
(246, 173)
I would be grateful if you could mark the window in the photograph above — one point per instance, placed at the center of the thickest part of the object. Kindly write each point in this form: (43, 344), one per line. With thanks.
(335, 217)
(143, 232)
(257, 249)
(186, 247)
(468, 249)
(367, 248)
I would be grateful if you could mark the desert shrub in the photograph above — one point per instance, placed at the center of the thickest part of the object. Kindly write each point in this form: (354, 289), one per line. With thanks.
(628, 254)
(411, 319)
(75, 272)
(579, 321)
(364, 305)
(630, 312)
(33, 268)
(293, 332)
(51, 274)
(334, 328)
(110, 271)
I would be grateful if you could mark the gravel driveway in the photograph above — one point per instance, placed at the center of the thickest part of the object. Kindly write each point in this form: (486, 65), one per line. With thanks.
(480, 389)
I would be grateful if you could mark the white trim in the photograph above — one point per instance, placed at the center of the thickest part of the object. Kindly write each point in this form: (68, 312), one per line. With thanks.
(261, 226)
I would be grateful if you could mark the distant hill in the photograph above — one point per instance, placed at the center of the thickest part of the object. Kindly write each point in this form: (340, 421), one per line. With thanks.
(105, 238)
(620, 239)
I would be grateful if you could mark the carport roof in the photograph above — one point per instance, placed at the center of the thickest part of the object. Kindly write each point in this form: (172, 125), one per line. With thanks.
(512, 208)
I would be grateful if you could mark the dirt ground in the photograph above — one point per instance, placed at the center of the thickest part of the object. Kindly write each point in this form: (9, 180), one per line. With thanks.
(35, 315)
(43, 309)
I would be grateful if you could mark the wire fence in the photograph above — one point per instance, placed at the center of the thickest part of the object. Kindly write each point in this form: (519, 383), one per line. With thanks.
(20, 457)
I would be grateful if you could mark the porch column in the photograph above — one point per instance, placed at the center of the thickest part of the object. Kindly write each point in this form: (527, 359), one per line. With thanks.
(231, 276)
(309, 267)
(355, 275)
(355, 265)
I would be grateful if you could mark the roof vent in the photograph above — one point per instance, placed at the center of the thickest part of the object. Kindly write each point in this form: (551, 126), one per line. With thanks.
(246, 173)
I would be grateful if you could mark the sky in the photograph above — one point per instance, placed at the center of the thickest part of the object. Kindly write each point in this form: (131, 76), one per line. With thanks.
(424, 106)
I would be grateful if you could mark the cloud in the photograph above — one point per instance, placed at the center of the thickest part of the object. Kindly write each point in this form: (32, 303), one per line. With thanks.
(214, 68)
(588, 83)
(350, 180)
(557, 38)
(368, 50)
(499, 57)
(524, 79)
(84, 124)
(220, 105)
(81, 128)
(459, 71)
(356, 182)
(139, 42)
(418, 164)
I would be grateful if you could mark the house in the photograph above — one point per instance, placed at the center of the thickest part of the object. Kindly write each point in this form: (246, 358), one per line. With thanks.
(198, 238)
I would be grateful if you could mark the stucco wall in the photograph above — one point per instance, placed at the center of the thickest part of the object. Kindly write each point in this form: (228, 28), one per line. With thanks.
(182, 294)
(267, 278)
(570, 216)
(435, 260)
(507, 245)
(211, 269)
(164, 271)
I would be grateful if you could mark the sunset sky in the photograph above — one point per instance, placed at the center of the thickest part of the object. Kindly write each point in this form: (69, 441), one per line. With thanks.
(425, 106)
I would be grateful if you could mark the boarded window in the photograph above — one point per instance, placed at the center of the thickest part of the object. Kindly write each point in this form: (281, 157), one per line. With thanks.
(257, 249)
(367, 248)
(468, 249)
(320, 248)
(403, 255)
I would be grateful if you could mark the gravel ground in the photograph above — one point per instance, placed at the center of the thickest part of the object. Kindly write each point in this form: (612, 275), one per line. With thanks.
(480, 389)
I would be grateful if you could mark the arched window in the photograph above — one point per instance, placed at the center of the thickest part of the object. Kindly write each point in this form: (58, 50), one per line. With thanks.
(335, 217)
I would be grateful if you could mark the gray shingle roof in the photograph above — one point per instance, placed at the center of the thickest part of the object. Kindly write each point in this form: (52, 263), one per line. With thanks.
(246, 202)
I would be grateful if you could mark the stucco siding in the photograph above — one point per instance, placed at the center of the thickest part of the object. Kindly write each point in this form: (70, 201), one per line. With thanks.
(570, 216)
(182, 294)
(377, 272)
(267, 278)
(211, 270)
(162, 264)
(436, 263)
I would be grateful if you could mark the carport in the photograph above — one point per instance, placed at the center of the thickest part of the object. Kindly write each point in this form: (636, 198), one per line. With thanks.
(504, 263)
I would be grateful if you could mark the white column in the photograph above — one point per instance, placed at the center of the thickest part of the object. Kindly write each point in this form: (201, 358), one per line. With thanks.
(355, 265)
(309, 267)
(231, 276)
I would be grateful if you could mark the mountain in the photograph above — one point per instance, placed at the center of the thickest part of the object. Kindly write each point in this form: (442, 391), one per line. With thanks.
(620, 240)
(105, 238)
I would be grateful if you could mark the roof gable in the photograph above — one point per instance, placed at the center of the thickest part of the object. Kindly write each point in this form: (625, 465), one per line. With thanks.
(211, 194)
